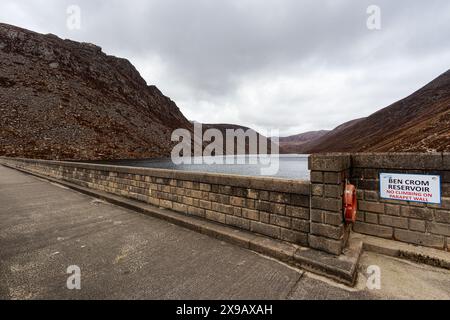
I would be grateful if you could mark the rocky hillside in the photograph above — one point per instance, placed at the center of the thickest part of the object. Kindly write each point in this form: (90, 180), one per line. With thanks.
(62, 99)
(418, 123)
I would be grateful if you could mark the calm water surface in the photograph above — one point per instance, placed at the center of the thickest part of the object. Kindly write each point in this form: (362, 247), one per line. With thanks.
(290, 166)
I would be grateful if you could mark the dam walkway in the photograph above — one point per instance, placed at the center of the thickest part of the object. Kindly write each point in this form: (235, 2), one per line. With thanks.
(45, 228)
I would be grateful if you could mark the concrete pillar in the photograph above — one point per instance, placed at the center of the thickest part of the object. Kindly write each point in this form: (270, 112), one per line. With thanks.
(328, 174)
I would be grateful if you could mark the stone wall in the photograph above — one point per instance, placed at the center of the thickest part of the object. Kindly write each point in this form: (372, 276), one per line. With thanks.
(416, 223)
(301, 212)
(273, 207)
(328, 175)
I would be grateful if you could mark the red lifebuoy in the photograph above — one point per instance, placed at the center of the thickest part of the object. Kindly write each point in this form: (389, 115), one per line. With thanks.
(350, 203)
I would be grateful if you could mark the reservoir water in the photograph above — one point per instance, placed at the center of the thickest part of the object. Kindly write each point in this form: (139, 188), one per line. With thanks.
(289, 166)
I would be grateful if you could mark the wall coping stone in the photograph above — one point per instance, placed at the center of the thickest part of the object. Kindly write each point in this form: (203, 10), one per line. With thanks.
(331, 162)
(261, 183)
(402, 161)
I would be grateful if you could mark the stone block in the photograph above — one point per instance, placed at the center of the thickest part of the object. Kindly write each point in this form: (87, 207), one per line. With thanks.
(392, 221)
(196, 185)
(205, 204)
(237, 201)
(264, 217)
(367, 184)
(427, 240)
(360, 216)
(360, 194)
(188, 184)
(281, 221)
(333, 191)
(264, 206)
(263, 195)
(179, 207)
(373, 230)
(265, 229)
(153, 201)
(399, 161)
(237, 222)
(329, 162)
(325, 244)
(439, 228)
(328, 204)
(445, 188)
(279, 197)
(165, 204)
(392, 209)
(215, 216)
(199, 212)
(237, 211)
(225, 190)
(299, 200)
(371, 217)
(317, 215)
(333, 178)
(297, 212)
(417, 213)
(301, 225)
(205, 187)
(252, 194)
(333, 218)
(250, 203)
(220, 198)
(194, 193)
(299, 238)
(371, 195)
(223, 208)
(442, 216)
(178, 191)
(239, 192)
(250, 214)
(316, 177)
(317, 190)
(188, 201)
(279, 209)
(328, 231)
(376, 207)
(417, 225)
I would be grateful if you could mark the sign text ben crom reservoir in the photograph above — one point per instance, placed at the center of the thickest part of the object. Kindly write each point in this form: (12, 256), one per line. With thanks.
(406, 187)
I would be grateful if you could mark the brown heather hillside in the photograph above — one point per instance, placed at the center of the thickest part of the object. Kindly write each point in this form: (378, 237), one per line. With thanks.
(61, 99)
(293, 144)
(418, 123)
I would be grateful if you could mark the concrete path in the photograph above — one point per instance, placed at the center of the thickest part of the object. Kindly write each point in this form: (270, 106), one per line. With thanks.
(45, 228)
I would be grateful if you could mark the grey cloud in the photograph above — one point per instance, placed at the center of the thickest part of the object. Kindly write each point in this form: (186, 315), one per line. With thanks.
(217, 59)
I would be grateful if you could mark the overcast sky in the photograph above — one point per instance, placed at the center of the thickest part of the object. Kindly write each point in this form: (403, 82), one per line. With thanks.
(291, 65)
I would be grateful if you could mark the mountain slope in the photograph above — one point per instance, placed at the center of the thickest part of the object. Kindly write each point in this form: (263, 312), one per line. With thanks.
(223, 127)
(62, 99)
(304, 137)
(296, 143)
(418, 123)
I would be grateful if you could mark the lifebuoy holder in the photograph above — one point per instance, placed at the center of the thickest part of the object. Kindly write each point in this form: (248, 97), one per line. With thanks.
(350, 203)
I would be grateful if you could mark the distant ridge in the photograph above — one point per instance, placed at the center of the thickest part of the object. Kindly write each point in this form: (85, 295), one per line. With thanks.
(223, 127)
(295, 143)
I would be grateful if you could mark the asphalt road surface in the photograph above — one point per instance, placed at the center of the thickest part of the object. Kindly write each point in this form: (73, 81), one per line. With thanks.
(46, 228)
